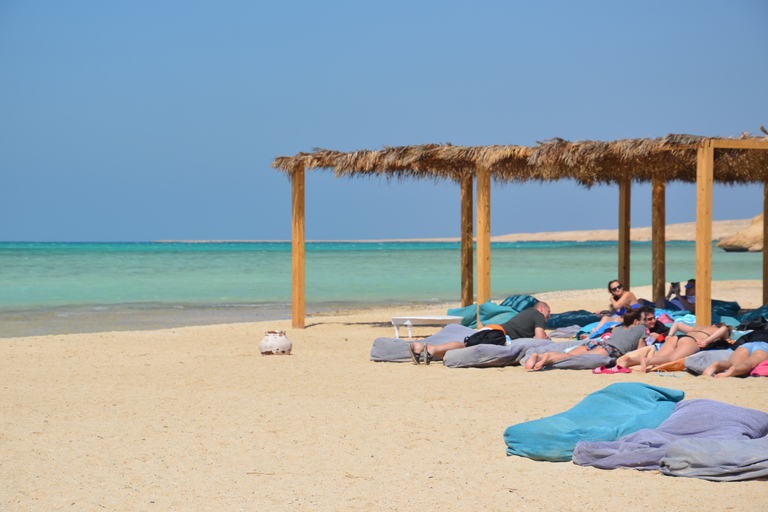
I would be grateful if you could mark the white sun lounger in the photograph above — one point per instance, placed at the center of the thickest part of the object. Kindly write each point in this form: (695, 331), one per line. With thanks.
(410, 321)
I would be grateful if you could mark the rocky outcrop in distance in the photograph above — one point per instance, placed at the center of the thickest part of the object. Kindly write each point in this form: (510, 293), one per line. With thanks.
(749, 239)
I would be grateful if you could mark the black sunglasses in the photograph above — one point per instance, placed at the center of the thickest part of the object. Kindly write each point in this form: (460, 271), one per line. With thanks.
(617, 287)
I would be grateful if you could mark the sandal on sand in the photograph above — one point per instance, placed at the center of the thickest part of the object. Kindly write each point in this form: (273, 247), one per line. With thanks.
(414, 356)
(615, 369)
(427, 356)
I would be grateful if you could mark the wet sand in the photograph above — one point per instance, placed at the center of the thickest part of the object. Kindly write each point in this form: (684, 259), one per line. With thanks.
(195, 418)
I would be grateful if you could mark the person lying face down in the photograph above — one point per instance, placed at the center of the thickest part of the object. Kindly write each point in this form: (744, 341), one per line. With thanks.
(529, 323)
(692, 339)
(625, 337)
(744, 359)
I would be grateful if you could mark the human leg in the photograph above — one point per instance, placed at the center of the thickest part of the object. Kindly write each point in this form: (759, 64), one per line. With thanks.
(746, 365)
(538, 361)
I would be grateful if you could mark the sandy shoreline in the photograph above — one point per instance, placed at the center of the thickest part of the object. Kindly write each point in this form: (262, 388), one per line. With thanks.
(195, 418)
(683, 232)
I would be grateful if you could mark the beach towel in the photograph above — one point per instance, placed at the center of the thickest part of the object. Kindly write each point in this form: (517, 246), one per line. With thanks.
(580, 317)
(725, 308)
(691, 419)
(519, 302)
(761, 370)
(567, 332)
(587, 329)
(606, 415)
(756, 314)
(717, 460)
(395, 350)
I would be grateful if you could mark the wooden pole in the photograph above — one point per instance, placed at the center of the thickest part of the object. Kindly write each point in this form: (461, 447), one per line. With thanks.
(659, 236)
(467, 242)
(297, 248)
(483, 238)
(705, 163)
(624, 225)
(765, 243)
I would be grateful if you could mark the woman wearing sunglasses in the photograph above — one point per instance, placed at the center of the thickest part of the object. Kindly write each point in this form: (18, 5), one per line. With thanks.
(621, 301)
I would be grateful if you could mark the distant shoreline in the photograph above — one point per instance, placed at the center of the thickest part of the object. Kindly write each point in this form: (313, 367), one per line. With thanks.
(683, 232)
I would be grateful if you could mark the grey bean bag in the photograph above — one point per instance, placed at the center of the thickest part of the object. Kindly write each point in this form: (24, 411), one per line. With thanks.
(718, 460)
(582, 362)
(395, 350)
(691, 419)
(484, 356)
(699, 361)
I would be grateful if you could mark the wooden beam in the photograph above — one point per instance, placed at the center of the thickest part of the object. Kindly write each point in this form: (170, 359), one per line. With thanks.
(467, 242)
(765, 243)
(737, 144)
(659, 237)
(705, 158)
(625, 196)
(483, 238)
(297, 249)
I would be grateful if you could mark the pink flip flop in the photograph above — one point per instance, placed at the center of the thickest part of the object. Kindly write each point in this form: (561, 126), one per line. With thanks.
(615, 369)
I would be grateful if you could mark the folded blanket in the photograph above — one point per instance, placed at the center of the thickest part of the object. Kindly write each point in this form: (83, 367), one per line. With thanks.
(718, 460)
(580, 317)
(691, 419)
(604, 415)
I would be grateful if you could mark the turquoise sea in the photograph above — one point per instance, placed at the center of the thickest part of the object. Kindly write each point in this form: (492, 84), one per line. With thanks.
(49, 288)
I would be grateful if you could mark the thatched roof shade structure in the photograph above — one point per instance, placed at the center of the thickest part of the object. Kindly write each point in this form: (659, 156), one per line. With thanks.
(671, 158)
(684, 158)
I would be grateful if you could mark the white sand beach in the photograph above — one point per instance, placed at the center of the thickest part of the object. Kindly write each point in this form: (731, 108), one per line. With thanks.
(195, 418)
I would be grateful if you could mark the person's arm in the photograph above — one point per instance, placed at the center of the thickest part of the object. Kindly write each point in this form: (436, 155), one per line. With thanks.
(719, 333)
(684, 328)
(626, 299)
(540, 334)
(687, 305)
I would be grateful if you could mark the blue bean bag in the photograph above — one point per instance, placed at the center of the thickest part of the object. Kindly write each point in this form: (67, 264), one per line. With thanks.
(605, 415)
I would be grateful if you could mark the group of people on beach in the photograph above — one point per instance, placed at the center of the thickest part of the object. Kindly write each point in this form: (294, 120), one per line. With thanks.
(639, 339)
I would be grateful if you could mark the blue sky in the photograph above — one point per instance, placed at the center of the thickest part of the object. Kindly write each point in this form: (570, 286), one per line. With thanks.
(133, 121)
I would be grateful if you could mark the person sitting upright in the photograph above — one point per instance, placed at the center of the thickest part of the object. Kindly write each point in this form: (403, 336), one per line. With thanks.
(621, 301)
(685, 302)
(529, 323)
(626, 337)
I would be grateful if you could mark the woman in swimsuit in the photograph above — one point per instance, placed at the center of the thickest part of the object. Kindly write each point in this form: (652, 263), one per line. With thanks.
(692, 340)
(742, 361)
(621, 300)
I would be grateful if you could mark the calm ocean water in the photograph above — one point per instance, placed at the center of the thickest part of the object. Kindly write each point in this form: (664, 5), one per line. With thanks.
(48, 288)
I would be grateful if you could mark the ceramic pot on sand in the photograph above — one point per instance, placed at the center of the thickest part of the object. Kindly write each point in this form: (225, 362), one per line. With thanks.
(275, 342)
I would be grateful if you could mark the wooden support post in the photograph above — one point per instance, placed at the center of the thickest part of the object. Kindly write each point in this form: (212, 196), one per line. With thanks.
(297, 248)
(765, 243)
(467, 242)
(705, 163)
(483, 238)
(658, 236)
(625, 195)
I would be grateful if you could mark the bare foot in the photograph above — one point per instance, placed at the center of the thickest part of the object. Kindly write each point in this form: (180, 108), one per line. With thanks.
(542, 362)
(726, 373)
(417, 347)
(643, 365)
(622, 361)
(531, 361)
(710, 371)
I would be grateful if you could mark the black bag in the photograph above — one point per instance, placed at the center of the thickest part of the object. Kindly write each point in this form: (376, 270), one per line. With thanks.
(486, 337)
